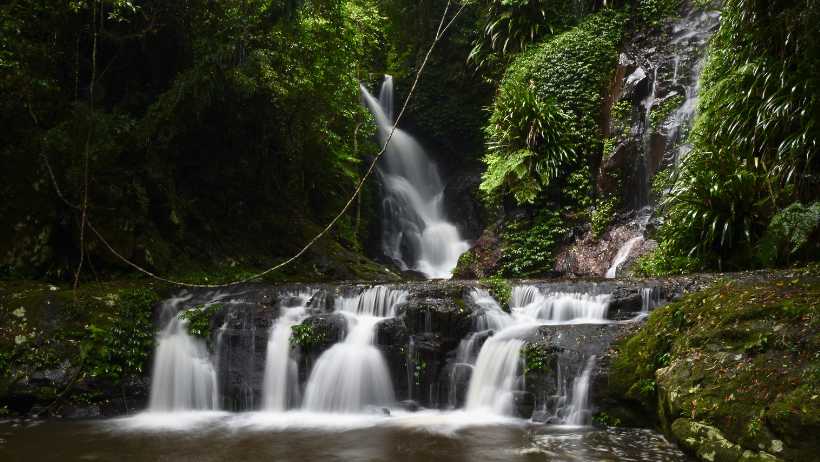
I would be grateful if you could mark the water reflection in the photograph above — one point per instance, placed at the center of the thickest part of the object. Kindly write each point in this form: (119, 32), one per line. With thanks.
(426, 436)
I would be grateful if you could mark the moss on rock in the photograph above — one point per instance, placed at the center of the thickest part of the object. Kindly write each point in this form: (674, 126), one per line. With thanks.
(739, 357)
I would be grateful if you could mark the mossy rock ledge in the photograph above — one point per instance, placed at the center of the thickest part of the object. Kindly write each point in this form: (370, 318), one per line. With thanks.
(732, 373)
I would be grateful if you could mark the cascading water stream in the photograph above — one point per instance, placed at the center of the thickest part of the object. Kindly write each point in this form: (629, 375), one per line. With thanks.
(415, 231)
(352, 375)
(183, 376)
(494, 375)
(622, 256)
(281, 386)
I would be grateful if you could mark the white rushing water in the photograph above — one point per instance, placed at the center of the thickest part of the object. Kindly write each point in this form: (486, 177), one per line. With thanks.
(281, 385)
(578, 413)
(496, 369)
(352, 375)
(622, 255)
(183, 376)
(415, 231)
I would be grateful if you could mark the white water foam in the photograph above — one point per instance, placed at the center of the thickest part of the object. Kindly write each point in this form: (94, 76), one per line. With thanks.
(413, 209)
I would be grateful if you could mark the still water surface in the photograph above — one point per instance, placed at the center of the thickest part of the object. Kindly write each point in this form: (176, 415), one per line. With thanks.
(448, 437)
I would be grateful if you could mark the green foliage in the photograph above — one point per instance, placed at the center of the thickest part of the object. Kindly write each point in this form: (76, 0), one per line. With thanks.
(653, 12)
(305, 336)
(665, 261)
(603, 215)
(528, 245)
(755, 138)
(245, 111)
(119, 344)
(535, 357)
(545, 117)
(603, 418)
(766, 327)
(622, 111)
(499, 289)
(198, 319)
(662, 111)
(792, 234)
(527, 144)
(512, 25)
(715, 206)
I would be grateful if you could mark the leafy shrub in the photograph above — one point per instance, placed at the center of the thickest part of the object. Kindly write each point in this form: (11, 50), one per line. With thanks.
(653, 12)
(665, 261)
(121, 347)
(603, 215)
(511, 25)
(552, 90)
(499, 289)
(755, 138)
(199, 318)
(714, 208)
(793, 233)
(535, 357)
(528, 246)
(527, 144)
(305, 336)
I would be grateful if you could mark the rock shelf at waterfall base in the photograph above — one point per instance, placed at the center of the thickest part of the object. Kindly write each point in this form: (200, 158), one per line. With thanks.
(569, 359)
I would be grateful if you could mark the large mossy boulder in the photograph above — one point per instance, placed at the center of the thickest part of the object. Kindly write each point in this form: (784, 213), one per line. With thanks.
(730, 372)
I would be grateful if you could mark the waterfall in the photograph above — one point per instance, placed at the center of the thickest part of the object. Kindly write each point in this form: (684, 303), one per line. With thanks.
(352, 374)
(280, 389)
(496, 369)
(650, 298)
(578, 408)
(693, 30)
(183, 376)
(622, 255)
(494, 375)
(415, 232)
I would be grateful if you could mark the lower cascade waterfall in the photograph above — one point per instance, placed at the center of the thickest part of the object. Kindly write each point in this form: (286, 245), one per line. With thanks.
(352, 375)
(487, 376)
(183, 376)
(580, 396)
(496, 370)
(281, 385)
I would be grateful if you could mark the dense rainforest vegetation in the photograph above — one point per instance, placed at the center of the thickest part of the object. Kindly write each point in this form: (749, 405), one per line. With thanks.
(206, 135)
(206, 141)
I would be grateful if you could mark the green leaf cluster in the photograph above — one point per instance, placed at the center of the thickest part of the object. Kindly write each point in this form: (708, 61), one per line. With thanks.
(306, 336)
(512, 25)
(544, 120)
(199, 319)
(500, 290)
(119, 344)
(528, 245)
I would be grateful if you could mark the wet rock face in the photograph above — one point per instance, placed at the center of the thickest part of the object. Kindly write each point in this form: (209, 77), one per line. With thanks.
(462, 205)
(591, 256)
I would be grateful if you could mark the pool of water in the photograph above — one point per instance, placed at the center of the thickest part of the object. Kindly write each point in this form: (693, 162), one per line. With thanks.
(423, 436)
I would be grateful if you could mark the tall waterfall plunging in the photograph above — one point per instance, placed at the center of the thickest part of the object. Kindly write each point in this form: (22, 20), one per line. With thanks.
(352, 374)
(281, 385)
(183, 377)
(415, 232)
(496, 369)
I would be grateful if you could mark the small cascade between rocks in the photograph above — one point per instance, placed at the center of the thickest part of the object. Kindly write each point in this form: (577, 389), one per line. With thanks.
(415, 232)
(184, 377)
(623, 254)
(281, 384)
(352, 375)
(495, 375)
